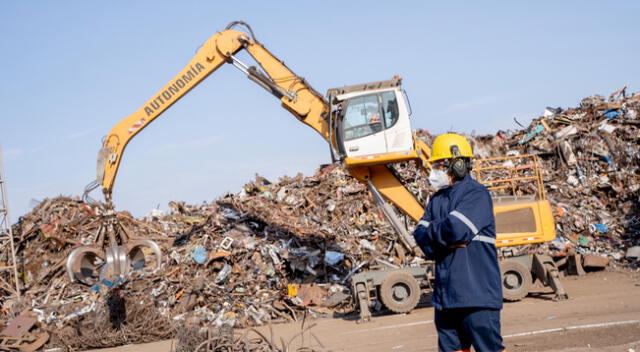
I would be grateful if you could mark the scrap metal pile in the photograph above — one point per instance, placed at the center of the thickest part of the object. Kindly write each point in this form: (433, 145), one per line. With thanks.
(231, 262)
(591, 169)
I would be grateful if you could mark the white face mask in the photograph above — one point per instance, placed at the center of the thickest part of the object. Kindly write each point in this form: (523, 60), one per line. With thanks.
(438, 179)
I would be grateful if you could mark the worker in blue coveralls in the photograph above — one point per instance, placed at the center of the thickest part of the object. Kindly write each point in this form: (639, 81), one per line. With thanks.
(458, 231)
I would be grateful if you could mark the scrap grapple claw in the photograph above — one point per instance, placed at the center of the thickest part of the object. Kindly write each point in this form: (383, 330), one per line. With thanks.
(119, 258)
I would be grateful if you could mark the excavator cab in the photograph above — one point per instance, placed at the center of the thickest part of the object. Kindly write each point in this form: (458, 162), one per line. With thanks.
(371, 123)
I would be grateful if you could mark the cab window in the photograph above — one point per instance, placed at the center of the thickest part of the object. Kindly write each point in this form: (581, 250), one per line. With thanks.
(390, 106)
(362, 117)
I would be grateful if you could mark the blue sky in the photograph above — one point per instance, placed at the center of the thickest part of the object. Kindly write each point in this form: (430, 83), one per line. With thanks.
(72, 69)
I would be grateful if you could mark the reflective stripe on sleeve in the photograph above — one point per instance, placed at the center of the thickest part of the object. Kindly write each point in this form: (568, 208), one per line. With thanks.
(424, 223)
(482, 238)
(465, 220)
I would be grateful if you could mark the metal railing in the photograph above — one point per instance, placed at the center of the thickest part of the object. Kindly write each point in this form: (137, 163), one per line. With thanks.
(511, 174)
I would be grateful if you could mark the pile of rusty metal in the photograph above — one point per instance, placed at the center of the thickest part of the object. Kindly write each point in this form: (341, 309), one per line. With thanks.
(229, 262)
(591, 170)
(277, 250)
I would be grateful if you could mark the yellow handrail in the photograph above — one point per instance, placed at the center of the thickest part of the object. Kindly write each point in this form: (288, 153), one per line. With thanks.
(522, 164)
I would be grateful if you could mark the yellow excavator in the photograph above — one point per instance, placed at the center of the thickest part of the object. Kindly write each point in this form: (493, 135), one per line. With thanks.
(367, 127)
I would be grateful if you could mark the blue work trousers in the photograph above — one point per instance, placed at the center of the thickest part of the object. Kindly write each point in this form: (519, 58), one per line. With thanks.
(461, 328)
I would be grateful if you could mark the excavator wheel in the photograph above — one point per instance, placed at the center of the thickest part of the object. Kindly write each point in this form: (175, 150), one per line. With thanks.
(516, 280)
(400, 292)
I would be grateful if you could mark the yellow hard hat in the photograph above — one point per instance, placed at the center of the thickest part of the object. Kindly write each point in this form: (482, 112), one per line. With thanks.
(442, 147)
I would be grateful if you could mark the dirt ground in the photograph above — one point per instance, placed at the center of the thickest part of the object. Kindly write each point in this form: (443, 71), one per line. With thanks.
(602, 314)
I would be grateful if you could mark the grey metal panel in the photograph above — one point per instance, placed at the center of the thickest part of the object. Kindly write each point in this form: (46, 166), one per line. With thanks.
(390, 83)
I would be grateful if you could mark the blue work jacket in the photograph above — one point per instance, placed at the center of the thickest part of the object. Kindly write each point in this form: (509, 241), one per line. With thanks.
(458, 229)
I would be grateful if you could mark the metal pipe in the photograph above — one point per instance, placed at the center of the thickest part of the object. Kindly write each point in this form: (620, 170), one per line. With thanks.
(262, 80)
(239, 65)
(406, 239)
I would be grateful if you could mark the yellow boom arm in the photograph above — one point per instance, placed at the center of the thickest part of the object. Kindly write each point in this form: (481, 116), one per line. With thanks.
(295, 94)
(210, 57)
